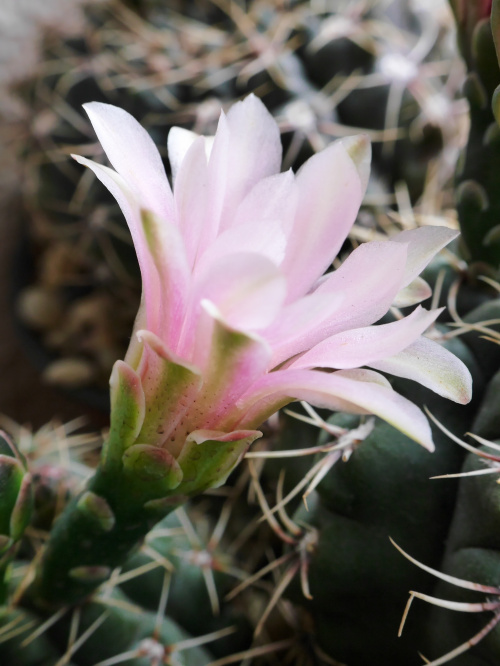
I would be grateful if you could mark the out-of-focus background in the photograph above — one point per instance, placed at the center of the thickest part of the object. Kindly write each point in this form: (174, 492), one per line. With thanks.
(24, 27)
(69, 284)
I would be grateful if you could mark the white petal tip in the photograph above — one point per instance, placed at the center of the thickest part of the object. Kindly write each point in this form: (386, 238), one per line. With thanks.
(460, 386)
(359, 149)
(429, 445)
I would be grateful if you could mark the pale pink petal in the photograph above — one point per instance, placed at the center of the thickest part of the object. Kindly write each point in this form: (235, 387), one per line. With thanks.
(218, 164)
(341, 389)
(272, 198)
(302, 324)
(167, 250)
(134, 351)
(329, 196)
(191, 200)
(261, 223)
(433, 366)
(234, 362)
(359, 149)
(243, 291)
(417, 291)
(363, 346)
(261, 237)
(247, 289)
(253, 153)
(161, 256)
(423, 244)
(134, 156)
(179, 141)
(357, 294)
(255, 408)
(151, 286)
(231, 361)
(365, 276)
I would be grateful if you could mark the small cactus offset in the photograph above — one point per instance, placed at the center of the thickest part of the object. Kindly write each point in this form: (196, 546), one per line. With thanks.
(198, 168)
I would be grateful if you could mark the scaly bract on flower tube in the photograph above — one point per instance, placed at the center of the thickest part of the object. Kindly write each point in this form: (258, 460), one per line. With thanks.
(238, 316)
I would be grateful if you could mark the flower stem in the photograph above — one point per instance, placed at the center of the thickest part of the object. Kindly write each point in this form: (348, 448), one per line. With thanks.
(95, 534)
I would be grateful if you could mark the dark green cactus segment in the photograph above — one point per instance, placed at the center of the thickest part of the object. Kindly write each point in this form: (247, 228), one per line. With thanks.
(478, 199)
(495, 25)
(487, 421)
(97, 508)
(486, 352)
(473, 553)
(359, 585)
(188, 587)
(475, 92)
(472, 197)
(21, 513)
(11, 478)
(471, 292)
(358, 581)
(19, 650)
(448, 629)
(479, 496)
(120, 627)
(359, 591)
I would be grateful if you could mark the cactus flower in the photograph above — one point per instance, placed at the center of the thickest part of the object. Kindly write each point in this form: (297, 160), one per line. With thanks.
(239, 314)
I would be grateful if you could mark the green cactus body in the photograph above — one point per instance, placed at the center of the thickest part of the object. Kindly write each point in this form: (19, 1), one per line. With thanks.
(358, 581)
(122, 628)
(188, 587)
(473, 554)
(14, 651)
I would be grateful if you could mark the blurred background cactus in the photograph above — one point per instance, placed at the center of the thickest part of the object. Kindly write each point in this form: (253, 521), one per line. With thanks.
(317, 581)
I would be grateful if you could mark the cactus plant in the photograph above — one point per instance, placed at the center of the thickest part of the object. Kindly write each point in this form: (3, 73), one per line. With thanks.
(177, 429)
(91, 579)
